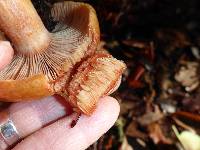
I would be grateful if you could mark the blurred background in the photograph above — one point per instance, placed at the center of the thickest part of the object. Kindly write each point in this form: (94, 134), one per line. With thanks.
(160, 94)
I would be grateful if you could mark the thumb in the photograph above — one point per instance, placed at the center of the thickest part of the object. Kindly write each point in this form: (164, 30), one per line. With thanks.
(6, 53)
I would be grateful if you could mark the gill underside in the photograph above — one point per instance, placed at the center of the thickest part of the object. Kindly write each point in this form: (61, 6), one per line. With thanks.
(63, 49)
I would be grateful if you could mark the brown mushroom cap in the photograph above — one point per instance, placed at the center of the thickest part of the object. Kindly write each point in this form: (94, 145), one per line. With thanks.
(75, 37)
(21, 89)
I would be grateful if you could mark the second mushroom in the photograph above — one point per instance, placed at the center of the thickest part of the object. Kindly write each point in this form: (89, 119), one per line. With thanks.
(63, 62)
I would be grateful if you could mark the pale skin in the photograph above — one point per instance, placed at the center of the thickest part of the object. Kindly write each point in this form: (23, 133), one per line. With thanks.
(31, 117)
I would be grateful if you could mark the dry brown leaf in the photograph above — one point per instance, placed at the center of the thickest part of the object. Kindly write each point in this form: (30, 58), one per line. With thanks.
(126, 106)
(132, 131)
(151, 117)
(156, 134)
(188, 76)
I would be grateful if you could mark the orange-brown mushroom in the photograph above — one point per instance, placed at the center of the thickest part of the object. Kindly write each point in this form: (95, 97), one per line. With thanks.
(2, 37)
(62, 62)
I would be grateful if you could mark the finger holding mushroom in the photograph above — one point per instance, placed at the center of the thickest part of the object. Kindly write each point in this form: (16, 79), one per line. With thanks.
(6, 53)
(61, 62)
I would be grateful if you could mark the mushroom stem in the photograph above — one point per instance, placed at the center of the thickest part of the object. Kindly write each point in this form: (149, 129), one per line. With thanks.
(22, 25)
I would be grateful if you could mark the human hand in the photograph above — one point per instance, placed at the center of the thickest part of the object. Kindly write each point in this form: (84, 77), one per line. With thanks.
(6, 53)
(48, 121)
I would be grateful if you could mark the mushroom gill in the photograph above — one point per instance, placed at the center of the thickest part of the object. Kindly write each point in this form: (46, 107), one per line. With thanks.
(74, 38)
(62, 62)
(95, 77)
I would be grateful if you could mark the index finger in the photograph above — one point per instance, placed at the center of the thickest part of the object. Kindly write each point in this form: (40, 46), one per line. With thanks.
(6, 53)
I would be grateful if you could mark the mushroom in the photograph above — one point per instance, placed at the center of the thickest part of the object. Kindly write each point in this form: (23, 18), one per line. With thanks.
(62, 62)
(2, 37)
